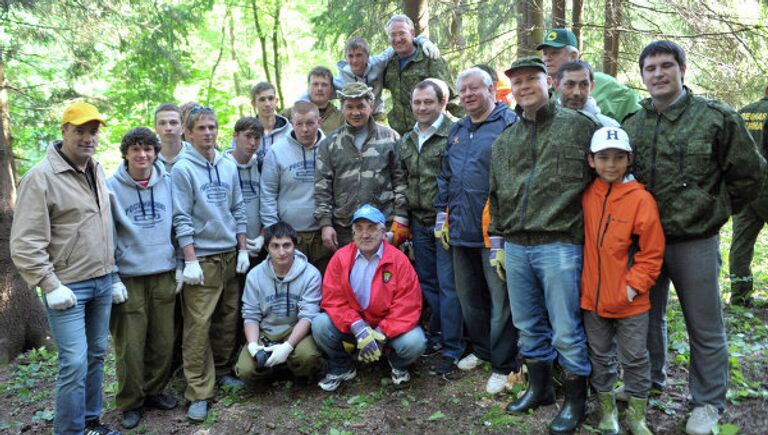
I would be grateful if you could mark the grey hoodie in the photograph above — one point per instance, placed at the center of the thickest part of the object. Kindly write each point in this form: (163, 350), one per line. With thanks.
(208, 208)
(282, 128)
(248, 177)
(143, 219)
(288, 185)
(592, 108)
(278, 305)
(168, 164)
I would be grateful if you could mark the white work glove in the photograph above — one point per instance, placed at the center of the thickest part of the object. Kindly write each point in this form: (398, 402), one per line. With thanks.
(243, 262)
(430, 49)
(179, 279)
(280, 353)
(193, 274)
(119, 293)
(254, 245)
(631, 293)
(61, 298)
(254, 347)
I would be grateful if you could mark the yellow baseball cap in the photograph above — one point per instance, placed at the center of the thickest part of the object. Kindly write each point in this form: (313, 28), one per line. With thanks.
(79, 113)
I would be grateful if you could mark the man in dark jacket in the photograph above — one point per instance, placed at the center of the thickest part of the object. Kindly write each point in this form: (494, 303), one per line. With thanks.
(538, 172)
(462, 191)
(696, 158)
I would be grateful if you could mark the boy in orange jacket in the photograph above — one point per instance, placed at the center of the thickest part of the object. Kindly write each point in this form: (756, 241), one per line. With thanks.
(623, 254)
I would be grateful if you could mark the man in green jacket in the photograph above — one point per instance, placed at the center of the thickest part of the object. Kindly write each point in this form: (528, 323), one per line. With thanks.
(407, 68)
(696, 157)
(748, 223)
(538, 172)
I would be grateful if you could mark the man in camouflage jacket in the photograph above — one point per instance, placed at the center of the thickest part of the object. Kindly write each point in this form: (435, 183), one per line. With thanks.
(698, 161)
(407, 68)
(357, 164)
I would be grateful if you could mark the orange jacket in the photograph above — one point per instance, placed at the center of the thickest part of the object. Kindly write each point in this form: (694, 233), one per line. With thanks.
(619, 219)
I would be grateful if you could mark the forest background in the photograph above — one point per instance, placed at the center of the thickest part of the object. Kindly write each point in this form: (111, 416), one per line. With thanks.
(127, 57)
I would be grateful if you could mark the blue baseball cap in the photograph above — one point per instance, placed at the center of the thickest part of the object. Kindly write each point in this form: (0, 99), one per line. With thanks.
(371, 213)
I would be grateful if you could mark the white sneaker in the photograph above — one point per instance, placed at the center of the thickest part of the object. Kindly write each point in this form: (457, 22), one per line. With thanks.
(469, 362)
(703, 420)
(400, 376)
(496, 383)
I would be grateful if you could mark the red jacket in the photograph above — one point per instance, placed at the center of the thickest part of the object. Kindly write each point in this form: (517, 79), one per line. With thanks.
(395, 305)
(616, 218)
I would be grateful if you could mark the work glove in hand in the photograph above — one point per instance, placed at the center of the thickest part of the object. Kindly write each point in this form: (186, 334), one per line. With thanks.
(179, 280)
(367, 341)
(61, 298)
(631, 293)
(193, 274)
(243, 262)
(254, 245)
(441, 230)
(119, 293)
(280, 353)
(254, 347)
(400, 233)
(496, 257)
(430, 49)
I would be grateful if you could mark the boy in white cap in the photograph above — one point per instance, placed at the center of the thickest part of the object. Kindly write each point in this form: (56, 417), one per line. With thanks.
(623, 253)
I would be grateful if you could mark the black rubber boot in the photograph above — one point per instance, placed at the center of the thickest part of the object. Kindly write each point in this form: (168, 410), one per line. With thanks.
(540, 390)
(572, 413)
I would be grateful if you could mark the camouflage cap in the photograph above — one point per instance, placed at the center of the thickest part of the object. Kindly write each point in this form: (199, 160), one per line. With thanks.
(558, 38)
(355, 90)
(527, 62)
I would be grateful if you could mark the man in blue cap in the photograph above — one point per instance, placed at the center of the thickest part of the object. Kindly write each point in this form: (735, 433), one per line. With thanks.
(371, 297)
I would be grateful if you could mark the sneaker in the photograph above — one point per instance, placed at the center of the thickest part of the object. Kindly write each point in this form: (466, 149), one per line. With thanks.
(432, 348)
(469, 362)
(231, 382)
(496, 383)
(131, 418)
(198, 410)
(446, 366)
(94, 427)
(332, 382)
(702, 420)
(400, 376)
(162, 401)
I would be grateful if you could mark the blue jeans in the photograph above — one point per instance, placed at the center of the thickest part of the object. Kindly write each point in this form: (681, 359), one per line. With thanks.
(81, 335)
(406, 348)
(434, 266)
(485, 305)
(543, 284)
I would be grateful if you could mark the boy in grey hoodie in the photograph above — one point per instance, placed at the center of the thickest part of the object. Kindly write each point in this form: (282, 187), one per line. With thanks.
(288, 183)
(264, 100)
(145, 257)
(210, 223)
(282, 296)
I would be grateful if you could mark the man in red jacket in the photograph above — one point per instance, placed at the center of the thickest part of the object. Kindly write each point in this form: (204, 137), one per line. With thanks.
(371, 297)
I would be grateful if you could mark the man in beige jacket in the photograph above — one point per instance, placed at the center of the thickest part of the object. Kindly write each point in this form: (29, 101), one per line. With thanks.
(61, 241)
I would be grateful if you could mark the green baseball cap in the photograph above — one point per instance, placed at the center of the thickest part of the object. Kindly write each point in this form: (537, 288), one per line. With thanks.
(558, 38)
(527, 62)
(355, 90)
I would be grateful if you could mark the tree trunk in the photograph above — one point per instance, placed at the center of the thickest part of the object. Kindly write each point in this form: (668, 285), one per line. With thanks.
(457, 24)
(558, 13)
(23, 323)
(233, 54)
(526, 41)
(611, 36)
(578, 6)
(262, 40)
(418, 11)
(276, 55)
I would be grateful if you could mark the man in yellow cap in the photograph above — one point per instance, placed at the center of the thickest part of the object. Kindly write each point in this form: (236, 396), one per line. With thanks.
(61, 241)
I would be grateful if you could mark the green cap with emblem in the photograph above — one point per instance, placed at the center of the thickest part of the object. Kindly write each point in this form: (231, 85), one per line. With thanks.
(527, 62)
(558, 38)
(355, 90)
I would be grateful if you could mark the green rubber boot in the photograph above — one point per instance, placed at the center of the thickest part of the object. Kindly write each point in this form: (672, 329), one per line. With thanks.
(609, 420)
(636, 416)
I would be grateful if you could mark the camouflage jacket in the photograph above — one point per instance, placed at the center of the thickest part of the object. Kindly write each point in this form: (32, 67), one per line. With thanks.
(538, 172)
(421, 169)
(330, 120)
(346, 178)
(698, 161)
(755, 116)
(401, 82)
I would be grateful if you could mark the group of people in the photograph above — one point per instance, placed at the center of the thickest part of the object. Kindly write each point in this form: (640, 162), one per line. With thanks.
(545, 234)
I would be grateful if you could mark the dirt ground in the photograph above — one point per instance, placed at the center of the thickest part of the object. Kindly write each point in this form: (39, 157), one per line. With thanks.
(370, 404)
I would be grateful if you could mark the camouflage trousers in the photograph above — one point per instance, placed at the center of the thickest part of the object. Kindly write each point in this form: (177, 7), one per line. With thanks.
(746, 228)
(311, 244)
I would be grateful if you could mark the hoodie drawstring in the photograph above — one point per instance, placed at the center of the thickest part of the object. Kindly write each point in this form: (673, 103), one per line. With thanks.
(141, 203)
(152, 198)
(240, 180)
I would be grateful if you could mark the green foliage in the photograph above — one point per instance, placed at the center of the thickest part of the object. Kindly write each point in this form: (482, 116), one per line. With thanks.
(34, 367)
(497, 418)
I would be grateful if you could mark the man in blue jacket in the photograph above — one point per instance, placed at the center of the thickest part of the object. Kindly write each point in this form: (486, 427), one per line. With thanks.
(462, 191)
